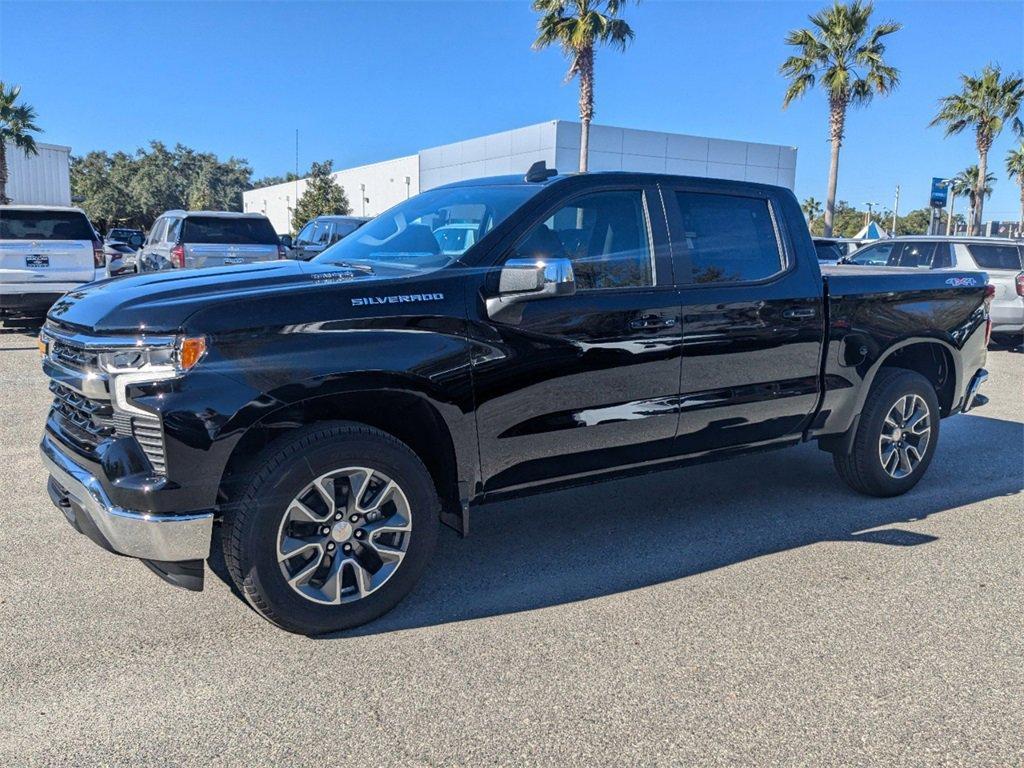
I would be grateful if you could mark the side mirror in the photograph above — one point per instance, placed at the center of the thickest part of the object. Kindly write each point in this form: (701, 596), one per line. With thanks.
(286, 241)
(530, 279)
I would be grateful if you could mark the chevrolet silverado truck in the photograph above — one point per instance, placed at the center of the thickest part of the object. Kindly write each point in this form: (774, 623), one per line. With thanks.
(318, 422)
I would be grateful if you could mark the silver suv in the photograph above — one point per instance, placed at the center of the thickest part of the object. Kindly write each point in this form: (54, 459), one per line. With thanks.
(1002, 259)
(190, 239)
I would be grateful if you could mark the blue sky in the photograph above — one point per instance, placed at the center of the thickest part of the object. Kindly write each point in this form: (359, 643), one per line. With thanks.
(372, 80)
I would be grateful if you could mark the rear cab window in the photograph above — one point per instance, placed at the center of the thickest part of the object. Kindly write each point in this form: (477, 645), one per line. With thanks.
(829, 251)
(729, 238)
(228, 230)
(44, 225)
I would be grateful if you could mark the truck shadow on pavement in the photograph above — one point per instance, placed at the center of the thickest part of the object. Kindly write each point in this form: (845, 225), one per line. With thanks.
(622, 535)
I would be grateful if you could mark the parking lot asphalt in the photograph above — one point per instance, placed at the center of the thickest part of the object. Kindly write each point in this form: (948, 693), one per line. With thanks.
(749, 612)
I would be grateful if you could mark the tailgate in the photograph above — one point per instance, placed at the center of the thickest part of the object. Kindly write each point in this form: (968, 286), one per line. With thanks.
(1005, 283)
(58, 261)
(217, 255)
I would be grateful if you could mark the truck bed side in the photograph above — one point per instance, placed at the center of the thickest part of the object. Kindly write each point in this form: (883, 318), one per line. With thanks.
(932, 321)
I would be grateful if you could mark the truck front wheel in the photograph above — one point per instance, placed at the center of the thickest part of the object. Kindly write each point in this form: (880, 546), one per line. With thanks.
(896, 435)
(332, 528)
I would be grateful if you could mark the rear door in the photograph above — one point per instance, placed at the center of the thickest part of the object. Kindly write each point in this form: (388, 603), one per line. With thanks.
(217, 241)
(753, 317)
(45, 246)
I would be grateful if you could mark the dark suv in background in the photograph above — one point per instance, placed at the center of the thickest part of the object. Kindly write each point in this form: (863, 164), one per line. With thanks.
(322, 232)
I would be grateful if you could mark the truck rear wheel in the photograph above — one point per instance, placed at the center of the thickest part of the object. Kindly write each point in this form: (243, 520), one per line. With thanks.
(332, 528)
(896, 435)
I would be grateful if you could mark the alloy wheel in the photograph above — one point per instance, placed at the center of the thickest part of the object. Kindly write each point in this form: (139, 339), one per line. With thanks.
(344, 535)
(905, 435)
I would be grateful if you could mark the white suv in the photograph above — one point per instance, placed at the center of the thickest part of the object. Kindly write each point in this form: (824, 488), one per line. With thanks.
(45, 251)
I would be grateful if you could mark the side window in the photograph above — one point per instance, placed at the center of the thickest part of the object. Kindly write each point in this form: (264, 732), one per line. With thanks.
(321, 233)
(941, 259)
(605, 236)
(996, 256)
(156, 233)
(304, 234)
(916, 255)
(874, 255)
(173, 230)
(729, 238)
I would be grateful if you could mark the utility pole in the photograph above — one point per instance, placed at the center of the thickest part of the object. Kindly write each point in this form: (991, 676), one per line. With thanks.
(952, 202)
(895, 210)
(290, 223)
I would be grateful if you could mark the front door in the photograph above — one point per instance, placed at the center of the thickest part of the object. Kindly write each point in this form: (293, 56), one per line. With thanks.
(753, 317)
(570, 386)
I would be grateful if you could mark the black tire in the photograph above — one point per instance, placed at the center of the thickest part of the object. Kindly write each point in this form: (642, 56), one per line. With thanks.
(862, 468)
(250, 529)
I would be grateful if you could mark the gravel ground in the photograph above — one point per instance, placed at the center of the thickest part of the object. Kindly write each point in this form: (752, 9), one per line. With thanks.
(746, 613)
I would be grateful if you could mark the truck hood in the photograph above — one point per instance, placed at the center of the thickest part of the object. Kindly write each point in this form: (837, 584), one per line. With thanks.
(161, 302)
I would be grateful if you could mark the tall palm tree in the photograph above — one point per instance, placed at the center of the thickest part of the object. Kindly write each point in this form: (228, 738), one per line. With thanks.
(811, 209)
(1015, 170)
(578, 26)
(986, 103)
(17, 123)
(965, 184)
(841, 53)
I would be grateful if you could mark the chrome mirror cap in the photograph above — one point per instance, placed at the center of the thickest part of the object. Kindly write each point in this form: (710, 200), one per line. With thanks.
(528, 280)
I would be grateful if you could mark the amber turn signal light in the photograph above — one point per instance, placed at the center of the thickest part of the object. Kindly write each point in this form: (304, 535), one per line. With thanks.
(41, 342)
(192, 350)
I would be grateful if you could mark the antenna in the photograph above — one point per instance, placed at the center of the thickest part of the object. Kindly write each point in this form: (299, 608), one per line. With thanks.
(539, 171)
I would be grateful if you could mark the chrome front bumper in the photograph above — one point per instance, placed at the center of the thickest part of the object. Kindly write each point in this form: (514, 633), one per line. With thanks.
(136, 534)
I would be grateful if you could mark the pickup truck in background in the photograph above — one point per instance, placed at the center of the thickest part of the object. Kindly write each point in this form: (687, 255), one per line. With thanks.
(321, 419)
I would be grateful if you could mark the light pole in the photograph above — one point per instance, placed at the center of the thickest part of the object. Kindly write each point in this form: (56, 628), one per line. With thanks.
(895, 210)
(952, 202)
(867, 216)
(408, 181)
(362, 195)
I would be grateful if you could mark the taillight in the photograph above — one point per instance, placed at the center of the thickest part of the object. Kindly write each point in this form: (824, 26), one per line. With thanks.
(178, 255)
(99, 261)
(1020, 283)
(282, 253)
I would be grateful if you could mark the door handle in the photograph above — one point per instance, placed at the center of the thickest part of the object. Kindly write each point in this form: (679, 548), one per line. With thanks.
(797, 314)
(651, 322)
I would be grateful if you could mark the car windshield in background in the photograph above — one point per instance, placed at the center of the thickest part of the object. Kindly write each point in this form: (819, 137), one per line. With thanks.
(226, 230)
(418, 232)
(122, 234)
(44, 225)
(996, 256)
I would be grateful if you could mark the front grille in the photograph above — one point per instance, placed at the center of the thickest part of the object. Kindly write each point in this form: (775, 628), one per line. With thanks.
(76, 357)
(88, 422)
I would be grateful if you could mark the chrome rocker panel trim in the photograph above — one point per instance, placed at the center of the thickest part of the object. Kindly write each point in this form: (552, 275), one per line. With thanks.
(136, 534)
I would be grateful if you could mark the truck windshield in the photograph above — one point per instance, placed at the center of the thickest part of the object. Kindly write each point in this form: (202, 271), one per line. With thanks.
(418, 233)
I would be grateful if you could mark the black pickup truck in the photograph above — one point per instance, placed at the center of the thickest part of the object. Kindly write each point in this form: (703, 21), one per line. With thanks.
(320, 420)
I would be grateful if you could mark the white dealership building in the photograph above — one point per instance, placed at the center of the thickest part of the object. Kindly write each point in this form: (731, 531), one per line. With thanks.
(376, 187)
(39, 179)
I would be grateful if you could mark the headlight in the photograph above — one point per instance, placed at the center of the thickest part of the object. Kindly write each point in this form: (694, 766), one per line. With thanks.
(146, 365)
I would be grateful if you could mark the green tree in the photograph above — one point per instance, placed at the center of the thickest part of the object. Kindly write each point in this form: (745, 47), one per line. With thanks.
(578, 26)
(1015, 170)
(323, 196)
(17, 124)
(847, 59)
(269, 181)
(811, 209)
(965, 184)
(986, 103)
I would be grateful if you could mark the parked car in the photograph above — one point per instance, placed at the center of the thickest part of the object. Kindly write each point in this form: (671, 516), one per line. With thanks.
(134, 238)
(45, 251)
(321, 419)
(190, 239)
(323, 232)
(1001, 259)
(120, 258)
(831, 249)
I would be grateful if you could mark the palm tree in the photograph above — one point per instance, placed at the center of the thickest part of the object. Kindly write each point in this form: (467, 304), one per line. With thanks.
(811, 209)
(847, 59)
(965, 184)
(986, 103)
(1015, 170)
(578, 26)
(17, 122)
